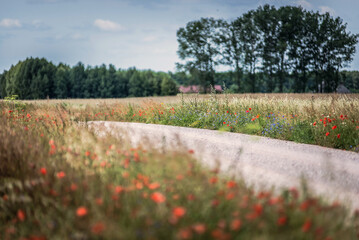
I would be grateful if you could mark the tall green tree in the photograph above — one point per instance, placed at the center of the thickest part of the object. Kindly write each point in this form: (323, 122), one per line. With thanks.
(199, 46)
(251, 46)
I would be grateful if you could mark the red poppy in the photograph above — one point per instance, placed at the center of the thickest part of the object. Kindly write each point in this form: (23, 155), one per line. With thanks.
(73, 187)
(158, 197)
(97, 228)
(185, 233)
(236, 224)
(213, 180)
(99, 201)
(306, 226)
(199, 228)
(118, 189)
(231, 184)
(338, 136)
(154, 185)
(327, 133)
(81, 211)
(282, 221)
(179, 211)
(60, 174)
(334, 127)
(315, 123)
(43, 171)
(21, 215)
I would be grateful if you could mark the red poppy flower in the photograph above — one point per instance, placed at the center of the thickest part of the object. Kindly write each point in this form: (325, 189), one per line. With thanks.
(334, 127)
(60, 174)
(154, 185)
(21, 215)
(327, 133)
(231, 184)
(81, 211)
(338, 136)
(306, 226)
(199, 228)
(236, 224)
(43, 171)
(179, 211)
(158, 197)
(282, 221)
(97, 228)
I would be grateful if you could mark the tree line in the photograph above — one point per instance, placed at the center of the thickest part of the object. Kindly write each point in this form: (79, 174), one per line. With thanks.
(37, 78)
(269, 50)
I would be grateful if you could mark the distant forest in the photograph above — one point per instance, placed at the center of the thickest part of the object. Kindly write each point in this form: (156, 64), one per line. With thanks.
(268, 50)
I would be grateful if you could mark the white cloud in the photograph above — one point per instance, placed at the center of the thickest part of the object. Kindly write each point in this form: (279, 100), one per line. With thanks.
(107, 25)
(304, 4)
(324, 9)
(10, 23)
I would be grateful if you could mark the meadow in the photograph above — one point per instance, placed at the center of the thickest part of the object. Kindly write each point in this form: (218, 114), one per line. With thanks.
(61, 181)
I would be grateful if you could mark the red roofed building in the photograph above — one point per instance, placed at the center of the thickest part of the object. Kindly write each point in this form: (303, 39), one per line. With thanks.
(197, 88)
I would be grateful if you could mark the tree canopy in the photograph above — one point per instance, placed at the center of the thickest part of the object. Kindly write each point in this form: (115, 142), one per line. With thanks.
(287, 47)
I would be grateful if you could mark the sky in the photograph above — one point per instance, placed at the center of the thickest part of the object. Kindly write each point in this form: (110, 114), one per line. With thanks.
(125, 33)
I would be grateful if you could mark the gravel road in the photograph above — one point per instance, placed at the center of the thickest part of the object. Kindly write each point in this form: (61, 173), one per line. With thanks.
(262, 162)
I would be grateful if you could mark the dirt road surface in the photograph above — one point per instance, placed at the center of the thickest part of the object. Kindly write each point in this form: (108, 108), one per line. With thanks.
(262, 162)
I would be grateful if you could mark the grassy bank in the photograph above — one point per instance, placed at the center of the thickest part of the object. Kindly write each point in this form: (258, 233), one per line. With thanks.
(327, 120)
(60, 181)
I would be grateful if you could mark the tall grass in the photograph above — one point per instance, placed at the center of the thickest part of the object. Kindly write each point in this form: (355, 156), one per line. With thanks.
(325, 120)
(60, 181)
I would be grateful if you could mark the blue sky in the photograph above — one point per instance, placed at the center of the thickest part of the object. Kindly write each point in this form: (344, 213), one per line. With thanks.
(126, 33)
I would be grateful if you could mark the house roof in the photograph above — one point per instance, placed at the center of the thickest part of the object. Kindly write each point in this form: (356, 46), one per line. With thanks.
(196, 88)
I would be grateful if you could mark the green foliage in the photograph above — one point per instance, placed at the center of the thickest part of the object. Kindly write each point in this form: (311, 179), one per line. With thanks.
(61, 181)
(288, 45)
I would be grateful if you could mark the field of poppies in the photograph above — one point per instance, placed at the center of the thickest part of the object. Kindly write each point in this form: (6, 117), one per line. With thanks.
(58, 180)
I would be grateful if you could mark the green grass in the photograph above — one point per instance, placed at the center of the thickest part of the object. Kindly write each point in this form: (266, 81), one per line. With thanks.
(60, 181)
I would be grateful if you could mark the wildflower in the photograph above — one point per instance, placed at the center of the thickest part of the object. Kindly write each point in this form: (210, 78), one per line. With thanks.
(87, 153)
(199, 228)
(306, 226)
(81, 211)
(236, 224)
(282, 221)
(158, 197)
(230, 196)
(5, 197)
(185, 233)
(73, 187)
(43, 171)
(315, 123)
(118, 189)
(21, 215)
(179, 212)
(125, 174)
(327, 133)
(213, 180)
(338, 136)
(258, 208)
(191, 151)
(154, 185)
(231, 184)
(334, 127)
(97, 228)
(60, 175)
(179, 177)
(99, 201)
